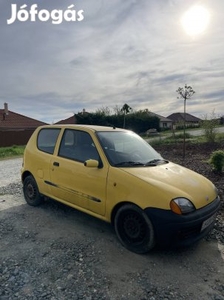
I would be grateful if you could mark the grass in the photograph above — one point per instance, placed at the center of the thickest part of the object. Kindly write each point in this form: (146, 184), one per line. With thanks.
(178, 138)
(14, 151)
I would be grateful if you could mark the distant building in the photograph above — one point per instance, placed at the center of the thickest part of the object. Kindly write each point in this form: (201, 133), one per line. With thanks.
(70, 120)
(15, 129)
(190, 120)
(164, 122)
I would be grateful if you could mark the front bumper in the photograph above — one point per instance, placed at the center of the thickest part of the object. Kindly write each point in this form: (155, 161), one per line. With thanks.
(182, 230)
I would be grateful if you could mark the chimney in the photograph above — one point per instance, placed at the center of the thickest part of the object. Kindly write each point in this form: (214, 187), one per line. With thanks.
(6, 111)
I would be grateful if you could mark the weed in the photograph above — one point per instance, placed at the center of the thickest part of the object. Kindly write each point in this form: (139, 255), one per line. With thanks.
(6, 152)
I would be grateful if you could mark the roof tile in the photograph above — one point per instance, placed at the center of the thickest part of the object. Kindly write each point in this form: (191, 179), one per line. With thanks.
(16, 121)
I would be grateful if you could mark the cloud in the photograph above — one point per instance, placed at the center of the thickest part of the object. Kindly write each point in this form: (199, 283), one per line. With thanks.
(133, 52)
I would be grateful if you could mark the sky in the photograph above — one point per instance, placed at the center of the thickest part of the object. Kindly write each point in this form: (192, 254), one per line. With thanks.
(122, 51)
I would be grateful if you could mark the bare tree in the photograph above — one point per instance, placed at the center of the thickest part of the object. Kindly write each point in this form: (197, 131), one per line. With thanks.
(117, 110)
(104, 110)
(185, 93)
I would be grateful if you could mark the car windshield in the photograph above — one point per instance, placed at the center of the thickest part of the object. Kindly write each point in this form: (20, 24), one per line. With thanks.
(127, 149)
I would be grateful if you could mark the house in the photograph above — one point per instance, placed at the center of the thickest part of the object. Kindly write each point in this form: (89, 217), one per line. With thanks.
(190, 120)
(15, 129)
(70, 120)
(164, 123)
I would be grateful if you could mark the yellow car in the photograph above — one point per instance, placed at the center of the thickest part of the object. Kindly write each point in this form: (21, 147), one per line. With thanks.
(114, 175)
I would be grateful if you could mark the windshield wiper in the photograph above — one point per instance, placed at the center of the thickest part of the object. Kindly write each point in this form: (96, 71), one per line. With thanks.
(129, 163)
(156, 161)
(153, 162)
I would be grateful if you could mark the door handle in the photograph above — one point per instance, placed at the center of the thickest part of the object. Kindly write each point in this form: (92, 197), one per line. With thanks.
(56, 164)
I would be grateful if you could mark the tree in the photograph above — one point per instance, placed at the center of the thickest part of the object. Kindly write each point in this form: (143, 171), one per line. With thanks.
(125, 109)
(104, 110)
(185, 93)
(117, 110)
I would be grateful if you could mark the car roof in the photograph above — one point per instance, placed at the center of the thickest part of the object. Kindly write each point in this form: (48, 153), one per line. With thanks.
(84, 126)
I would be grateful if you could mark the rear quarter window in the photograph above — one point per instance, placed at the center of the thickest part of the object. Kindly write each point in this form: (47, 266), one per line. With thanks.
(47, 139)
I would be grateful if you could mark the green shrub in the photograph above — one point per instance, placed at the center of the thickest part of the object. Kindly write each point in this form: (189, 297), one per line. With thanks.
(217, 160)
(209, 125)
(180, 136)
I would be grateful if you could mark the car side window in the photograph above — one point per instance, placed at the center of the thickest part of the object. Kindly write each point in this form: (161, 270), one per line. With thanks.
(47, 139)
(77, 145)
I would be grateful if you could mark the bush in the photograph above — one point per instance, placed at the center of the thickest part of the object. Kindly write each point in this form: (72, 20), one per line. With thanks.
(180, 136)
(217, 160)
(209, 126)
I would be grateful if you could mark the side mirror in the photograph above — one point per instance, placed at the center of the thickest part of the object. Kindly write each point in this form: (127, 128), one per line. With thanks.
(91, 163)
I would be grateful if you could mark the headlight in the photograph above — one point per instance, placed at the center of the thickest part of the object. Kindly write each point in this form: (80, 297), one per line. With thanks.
(181, 206)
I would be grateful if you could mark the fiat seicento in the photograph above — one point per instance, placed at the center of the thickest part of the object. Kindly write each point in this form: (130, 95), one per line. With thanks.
(114, 175)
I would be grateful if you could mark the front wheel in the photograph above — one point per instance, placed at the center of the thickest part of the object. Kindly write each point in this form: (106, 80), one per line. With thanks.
(134, 229)
(31, 191)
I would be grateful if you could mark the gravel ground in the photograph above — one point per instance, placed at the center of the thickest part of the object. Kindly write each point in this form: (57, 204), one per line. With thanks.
(55, 252)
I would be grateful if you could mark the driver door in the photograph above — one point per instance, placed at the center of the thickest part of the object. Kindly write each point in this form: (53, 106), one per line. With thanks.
(72, 181)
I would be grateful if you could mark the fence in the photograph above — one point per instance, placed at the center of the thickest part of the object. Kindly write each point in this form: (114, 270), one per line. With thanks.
(15, 137)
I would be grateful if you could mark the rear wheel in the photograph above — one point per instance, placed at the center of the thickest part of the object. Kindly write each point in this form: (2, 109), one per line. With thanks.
(134, 229)
(31, 191)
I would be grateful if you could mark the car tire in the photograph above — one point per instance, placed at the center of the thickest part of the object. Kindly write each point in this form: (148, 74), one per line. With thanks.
(134, 229)
(31, 191)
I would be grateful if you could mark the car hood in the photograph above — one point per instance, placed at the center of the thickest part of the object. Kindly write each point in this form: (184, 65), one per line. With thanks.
(177, 181)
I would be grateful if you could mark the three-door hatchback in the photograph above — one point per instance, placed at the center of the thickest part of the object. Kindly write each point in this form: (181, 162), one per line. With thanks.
(114, 175)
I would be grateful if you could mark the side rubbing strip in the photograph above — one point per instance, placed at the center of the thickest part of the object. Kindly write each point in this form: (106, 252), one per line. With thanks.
(74, 192)
(50, 183)
(94, 199)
